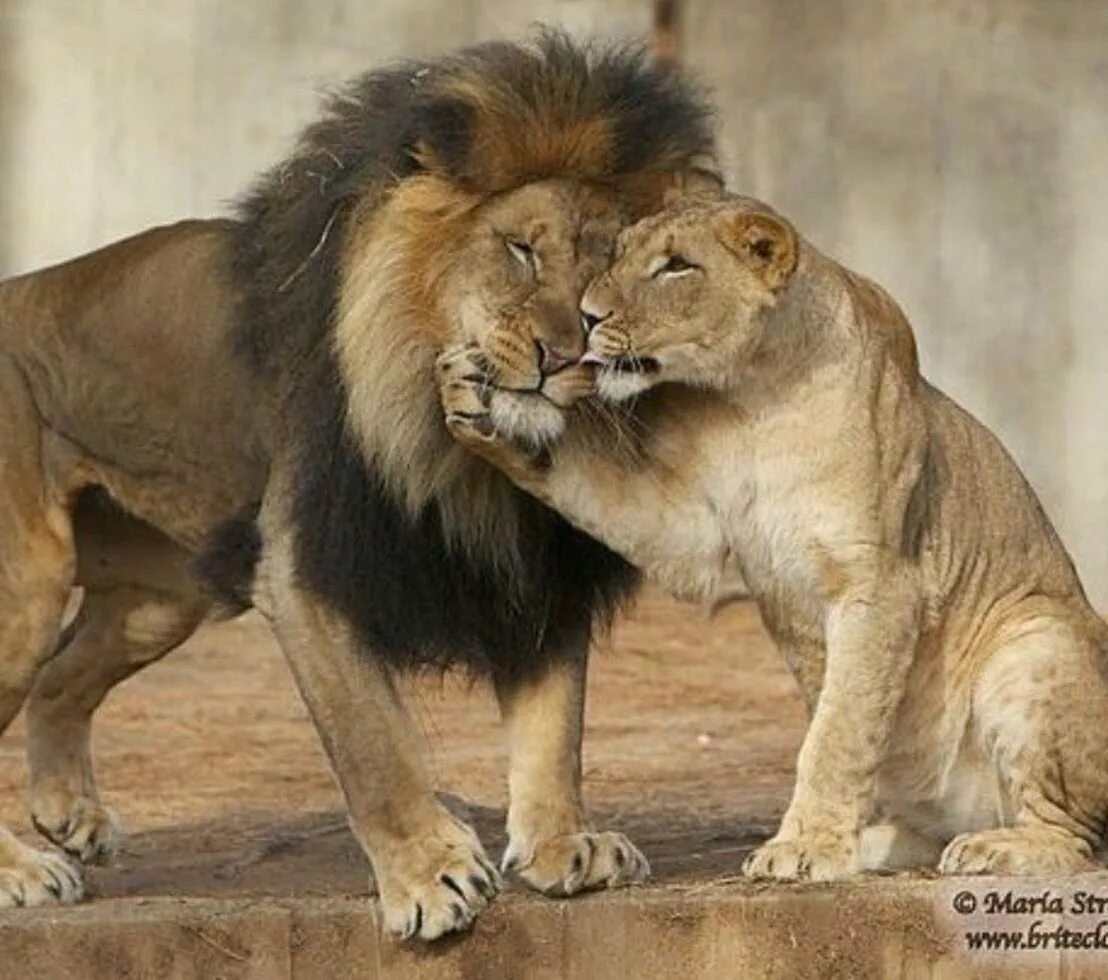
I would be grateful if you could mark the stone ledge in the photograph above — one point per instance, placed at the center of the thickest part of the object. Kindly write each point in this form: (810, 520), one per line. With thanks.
(879, 927)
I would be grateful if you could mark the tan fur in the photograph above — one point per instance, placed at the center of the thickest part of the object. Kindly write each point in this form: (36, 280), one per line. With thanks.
(87, 400)
(116, 371)
(955, 673)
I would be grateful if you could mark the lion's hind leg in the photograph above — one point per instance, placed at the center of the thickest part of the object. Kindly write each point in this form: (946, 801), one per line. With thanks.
(36, 573)
(119, 631)
(1040, 705)
(140, 602)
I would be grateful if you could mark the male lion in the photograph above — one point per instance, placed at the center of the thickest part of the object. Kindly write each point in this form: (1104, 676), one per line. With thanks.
(470, 198)
(954, 671)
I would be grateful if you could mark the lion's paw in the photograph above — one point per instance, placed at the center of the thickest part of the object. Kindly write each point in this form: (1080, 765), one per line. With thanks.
(84, 829)
(812, 856)
(436, 886)
(570, 863)
(1017, 851)
(33, 877)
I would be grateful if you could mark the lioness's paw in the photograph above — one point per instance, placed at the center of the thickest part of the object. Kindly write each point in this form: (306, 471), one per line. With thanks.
(571, 863)
(464, 393)
(813, 856)
(84, 829)
(570, 385)
(1017, 851)
(32, 877)
(436, 886)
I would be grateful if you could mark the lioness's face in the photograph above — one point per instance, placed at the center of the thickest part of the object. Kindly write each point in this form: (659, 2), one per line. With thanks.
(685, 298)
(515, 292)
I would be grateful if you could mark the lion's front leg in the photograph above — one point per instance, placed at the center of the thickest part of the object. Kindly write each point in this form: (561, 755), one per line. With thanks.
(551, 846)
(432, 874)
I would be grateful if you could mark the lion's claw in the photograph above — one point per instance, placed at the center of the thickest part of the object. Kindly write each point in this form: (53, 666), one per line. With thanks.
(569, 863)
(32, 877)
(89, 832)
(436, 886)
(463, 389)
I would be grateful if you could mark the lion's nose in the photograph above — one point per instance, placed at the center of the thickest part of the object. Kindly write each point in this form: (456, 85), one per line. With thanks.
(590, 320)
(552, 360)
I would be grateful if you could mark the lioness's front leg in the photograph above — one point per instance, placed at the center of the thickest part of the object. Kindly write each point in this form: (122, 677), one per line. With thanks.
(432, 874)
(550, 844)
(870, 637)
(641, 511)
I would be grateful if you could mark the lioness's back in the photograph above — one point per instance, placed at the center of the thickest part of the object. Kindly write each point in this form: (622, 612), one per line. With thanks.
(983, 508)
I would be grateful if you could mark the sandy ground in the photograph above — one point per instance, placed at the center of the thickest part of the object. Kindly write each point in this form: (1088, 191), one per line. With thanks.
(212, 764)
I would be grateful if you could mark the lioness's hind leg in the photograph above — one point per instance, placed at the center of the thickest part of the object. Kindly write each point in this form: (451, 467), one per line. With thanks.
(118, 632)
(36, 574)
(1040, 706)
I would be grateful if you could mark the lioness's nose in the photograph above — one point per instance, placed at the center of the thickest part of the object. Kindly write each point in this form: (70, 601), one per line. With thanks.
(589, 320)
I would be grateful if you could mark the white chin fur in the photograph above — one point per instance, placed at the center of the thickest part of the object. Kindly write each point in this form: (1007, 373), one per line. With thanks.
(529, 418)
(620, 386)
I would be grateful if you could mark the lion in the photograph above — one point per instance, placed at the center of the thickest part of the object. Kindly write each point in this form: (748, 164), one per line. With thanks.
(242, 412)
(954, 671)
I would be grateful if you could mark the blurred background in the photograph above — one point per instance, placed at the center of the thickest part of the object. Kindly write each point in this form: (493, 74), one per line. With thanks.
(955, 150)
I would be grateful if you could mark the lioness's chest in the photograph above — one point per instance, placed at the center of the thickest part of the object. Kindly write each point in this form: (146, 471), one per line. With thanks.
(785, 520)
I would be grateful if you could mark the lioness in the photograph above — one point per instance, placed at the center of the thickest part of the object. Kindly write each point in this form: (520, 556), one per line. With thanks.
(953, 669)
(261, 392)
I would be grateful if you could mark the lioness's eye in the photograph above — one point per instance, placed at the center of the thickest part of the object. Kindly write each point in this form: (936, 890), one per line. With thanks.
(521, 251)
(674, 265)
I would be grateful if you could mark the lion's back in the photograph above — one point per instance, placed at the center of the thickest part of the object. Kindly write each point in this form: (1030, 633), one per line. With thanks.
(127, 353)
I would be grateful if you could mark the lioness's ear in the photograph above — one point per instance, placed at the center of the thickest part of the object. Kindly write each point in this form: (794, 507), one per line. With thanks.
(764, 243)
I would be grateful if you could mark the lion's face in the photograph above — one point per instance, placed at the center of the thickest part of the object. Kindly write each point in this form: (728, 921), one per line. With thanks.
(685, 299)
(515, 289)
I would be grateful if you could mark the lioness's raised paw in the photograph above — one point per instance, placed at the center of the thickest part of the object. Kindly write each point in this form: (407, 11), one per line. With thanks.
(436, 885)
(464, 393)
(470, 410)
(571, 863)
(84, 828)
(32, 877)
(813, 856)
(1017, 851)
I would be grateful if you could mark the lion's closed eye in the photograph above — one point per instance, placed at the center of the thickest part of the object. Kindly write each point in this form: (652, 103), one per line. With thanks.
(523, 252)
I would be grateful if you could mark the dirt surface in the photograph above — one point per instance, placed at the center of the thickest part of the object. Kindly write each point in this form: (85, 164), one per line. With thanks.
(212, 764)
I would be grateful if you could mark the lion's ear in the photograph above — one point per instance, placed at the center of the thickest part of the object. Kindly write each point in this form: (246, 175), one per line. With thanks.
(701, 180)
(764, 243)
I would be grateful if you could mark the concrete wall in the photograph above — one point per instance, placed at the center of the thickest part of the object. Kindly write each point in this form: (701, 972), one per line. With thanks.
(956, 150)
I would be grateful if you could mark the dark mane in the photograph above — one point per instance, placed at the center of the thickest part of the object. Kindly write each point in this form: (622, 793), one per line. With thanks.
(488, 119)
